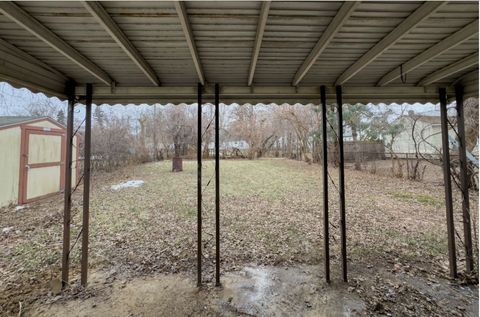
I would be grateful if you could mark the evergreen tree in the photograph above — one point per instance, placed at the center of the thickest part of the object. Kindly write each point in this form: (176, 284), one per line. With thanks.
(61, 117)
(98, 116)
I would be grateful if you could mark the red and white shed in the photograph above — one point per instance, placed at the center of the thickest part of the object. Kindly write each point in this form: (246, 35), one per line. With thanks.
(32, 158)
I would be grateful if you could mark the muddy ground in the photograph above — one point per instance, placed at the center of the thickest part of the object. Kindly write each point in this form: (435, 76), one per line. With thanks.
(143, 240)
(260, 291)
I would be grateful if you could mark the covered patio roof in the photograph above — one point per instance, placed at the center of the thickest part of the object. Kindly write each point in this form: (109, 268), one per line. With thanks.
(157, 52)
(255, 52)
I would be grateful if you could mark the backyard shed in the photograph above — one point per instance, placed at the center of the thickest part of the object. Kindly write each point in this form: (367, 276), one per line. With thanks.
(32, 155)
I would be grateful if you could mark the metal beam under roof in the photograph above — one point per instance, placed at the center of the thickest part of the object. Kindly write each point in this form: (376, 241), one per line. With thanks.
(262, 22)
(288, 56)
(419, 15)
(446, 44)
(451, 69)
(187, 30)
(22, 69)
(22, 18)
(337, 22)
(102, 16)
(260, 94)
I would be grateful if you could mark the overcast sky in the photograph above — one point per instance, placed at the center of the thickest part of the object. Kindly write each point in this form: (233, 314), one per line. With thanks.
(15, 101)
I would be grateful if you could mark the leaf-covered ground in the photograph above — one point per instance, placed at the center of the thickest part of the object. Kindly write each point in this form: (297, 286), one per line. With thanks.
(271, 214)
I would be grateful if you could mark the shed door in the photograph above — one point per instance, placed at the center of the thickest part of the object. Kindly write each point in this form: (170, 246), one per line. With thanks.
(42, 162)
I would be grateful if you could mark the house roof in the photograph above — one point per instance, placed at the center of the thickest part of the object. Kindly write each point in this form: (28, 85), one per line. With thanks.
(431, 119)
(258, 51)
(428, 119)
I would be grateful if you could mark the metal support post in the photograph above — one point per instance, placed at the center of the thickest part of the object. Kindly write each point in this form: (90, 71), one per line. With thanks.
(86, 184)
(199, 185)
(326, 239)
(341, 185)
(448, 185)
(464, 180)
(70, 92)
(217, 186)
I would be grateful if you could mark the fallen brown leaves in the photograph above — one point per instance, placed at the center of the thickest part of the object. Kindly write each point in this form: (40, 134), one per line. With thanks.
(271, 213)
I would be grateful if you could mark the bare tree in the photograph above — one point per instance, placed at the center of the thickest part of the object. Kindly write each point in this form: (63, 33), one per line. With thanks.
(414, 169)
(42, 108)
(254, 126)
(178, 122)
(112, 144)
(304, 122)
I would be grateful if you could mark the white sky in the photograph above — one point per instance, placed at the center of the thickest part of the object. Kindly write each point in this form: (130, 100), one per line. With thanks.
(14, 101)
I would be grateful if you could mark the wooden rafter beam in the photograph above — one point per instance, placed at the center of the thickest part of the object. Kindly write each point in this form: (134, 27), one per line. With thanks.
(187, 31)
(451, 69)
(418, 16)
(449, 42)
(335, 25)
(262, 22)
(102, 16)
(29, 23)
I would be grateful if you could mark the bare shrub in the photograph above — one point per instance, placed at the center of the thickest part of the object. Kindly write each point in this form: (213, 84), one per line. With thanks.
(371, 167)
(112, 144)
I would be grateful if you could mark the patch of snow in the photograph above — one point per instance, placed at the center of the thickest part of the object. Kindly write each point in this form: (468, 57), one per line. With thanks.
(132, 183)
(19, 208)
(6, 230)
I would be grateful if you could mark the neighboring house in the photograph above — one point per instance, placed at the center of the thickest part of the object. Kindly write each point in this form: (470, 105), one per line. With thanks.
(230, 145)
(426, 138)
(232, 148)
(32, 159)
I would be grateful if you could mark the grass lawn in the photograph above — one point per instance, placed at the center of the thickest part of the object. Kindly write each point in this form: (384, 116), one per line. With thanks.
(271, 214)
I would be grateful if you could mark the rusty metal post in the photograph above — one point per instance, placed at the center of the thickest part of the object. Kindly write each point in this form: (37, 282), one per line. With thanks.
(86, 184)
(448, 185)
(326, 238)
(341, 183)
(199, 185)
(70, 92)
(217, 186)
(467, 227)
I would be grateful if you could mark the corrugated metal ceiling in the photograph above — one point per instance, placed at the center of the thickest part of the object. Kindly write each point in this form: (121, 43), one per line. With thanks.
(224, 35)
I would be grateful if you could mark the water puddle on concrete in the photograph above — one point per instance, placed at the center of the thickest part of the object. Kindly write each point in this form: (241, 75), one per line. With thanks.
(275, 291)
(253, 291)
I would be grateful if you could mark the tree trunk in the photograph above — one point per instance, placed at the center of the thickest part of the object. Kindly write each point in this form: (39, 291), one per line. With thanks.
(177, 148)
(358, 159)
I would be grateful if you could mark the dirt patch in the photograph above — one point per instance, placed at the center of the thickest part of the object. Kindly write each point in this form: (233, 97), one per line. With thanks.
(253, 291)
(263, 291)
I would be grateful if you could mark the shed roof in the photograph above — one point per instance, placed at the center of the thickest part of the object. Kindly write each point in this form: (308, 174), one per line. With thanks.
(279, 51)
(12, 120)
(7, 121)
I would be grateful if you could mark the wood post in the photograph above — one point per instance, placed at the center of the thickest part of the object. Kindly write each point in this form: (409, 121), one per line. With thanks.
(70, 92)
(86, 184)
(448, 185)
